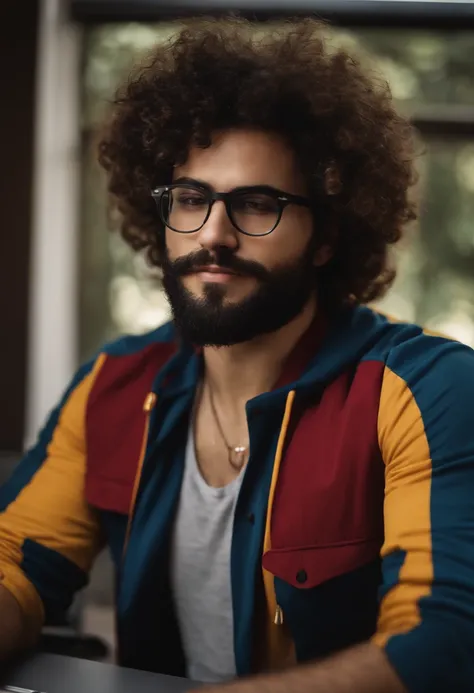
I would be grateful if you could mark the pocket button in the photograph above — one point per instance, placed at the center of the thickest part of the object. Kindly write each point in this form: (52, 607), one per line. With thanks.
(301, 576)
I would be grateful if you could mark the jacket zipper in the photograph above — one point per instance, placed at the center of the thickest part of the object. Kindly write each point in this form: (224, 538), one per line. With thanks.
(278, 619)
(148, 406)
(278, 616)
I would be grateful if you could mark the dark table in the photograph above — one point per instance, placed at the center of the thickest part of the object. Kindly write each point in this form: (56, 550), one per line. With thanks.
(56, 674)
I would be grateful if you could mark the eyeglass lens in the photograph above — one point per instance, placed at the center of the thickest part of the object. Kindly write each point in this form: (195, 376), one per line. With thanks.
(185, 209)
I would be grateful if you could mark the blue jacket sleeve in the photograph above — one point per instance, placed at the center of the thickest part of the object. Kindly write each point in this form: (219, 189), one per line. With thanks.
(426, 435)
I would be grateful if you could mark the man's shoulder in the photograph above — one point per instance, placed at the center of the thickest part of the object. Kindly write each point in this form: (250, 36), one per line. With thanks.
(431, 371)
(131, 363)
(128, 346)
(123, 393)
(425, 358)
(416, 354)
(426, 412)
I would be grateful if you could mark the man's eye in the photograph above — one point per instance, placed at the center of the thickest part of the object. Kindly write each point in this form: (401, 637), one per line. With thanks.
(191, 200)
(260, 204)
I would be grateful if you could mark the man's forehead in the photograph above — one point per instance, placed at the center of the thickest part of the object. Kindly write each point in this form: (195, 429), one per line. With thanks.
(241, 157)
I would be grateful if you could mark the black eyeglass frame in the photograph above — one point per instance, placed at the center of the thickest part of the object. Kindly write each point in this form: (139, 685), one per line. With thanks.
(284, 199)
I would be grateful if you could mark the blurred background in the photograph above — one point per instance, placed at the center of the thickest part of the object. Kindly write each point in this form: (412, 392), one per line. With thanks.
(68, 284)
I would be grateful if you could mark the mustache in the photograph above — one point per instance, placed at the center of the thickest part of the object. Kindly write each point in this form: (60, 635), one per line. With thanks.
(222, 257)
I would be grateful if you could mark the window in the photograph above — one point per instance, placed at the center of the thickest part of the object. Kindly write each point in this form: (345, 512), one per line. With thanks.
(431, 77)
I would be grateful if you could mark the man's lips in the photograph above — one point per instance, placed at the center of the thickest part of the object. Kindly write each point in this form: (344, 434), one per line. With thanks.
(213, 269)
(215, 274)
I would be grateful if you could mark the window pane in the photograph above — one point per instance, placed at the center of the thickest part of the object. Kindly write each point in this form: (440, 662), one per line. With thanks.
(436, 279)
(119, 294)
(423, 67)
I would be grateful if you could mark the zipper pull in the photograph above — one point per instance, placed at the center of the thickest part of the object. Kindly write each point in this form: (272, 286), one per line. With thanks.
(149, 403)
(278, 619)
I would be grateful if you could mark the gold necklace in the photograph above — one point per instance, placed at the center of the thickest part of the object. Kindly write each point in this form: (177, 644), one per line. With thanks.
(236, 453)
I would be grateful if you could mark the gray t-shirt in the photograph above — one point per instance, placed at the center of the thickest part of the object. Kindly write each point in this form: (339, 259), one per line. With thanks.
(200, 572)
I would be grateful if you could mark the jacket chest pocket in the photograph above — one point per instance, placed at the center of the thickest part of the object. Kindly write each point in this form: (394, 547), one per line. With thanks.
(308, 567)
(328, 594)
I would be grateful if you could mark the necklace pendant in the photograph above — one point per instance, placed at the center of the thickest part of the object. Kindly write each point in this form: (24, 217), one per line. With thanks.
(237, 456)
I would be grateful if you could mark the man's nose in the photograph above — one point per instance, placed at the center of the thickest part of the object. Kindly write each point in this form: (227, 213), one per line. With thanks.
(218, 229)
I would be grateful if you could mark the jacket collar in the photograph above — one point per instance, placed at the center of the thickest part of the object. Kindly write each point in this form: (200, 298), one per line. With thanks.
(326, 348)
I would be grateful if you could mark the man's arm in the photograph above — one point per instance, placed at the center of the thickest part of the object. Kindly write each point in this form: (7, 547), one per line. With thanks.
(362, 669)
(49, 536)
(13, 633)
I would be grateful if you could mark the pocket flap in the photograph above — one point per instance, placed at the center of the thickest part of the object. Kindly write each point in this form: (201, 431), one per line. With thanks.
(310, 566)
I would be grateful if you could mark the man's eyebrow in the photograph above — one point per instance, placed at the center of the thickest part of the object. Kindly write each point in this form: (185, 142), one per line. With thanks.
(185, 180)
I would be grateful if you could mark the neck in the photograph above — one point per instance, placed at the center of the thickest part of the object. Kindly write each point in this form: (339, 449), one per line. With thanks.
(237, 373)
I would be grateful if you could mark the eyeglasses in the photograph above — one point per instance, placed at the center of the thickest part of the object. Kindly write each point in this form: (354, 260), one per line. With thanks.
(252, 210)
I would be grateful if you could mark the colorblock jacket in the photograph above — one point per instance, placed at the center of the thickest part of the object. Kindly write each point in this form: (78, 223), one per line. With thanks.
(355, 519)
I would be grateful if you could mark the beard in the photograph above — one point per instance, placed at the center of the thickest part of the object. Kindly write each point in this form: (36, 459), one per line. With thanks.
(209, 320)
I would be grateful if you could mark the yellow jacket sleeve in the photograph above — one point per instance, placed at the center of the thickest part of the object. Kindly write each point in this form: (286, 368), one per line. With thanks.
(49, 536)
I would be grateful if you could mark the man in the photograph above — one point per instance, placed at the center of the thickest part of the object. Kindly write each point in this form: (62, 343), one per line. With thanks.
(284, 478)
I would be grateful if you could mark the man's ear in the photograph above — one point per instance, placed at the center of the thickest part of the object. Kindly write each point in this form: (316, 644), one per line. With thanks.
(332, 185)
(323, 254)
(325, 251)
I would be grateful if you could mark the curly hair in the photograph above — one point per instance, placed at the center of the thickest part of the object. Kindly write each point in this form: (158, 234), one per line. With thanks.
(354, 150)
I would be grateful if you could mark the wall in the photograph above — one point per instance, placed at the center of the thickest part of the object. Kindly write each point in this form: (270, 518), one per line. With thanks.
(18, 38)
(53, 290)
